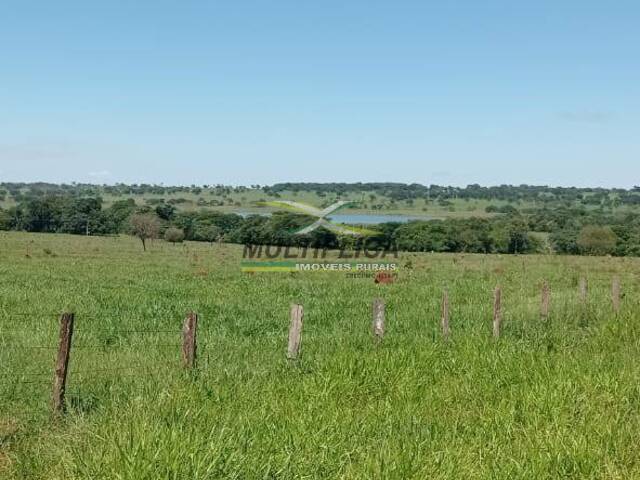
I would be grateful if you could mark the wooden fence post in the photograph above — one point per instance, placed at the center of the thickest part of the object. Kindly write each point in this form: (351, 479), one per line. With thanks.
(445, 314)
(584, 289)
(378, 319)
(189, 343)
(497, 311)
(62, 363)
(615, 294)
(546, 299)
(295, 331)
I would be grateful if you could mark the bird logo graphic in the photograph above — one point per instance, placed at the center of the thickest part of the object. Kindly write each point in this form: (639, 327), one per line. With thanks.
(321, 216)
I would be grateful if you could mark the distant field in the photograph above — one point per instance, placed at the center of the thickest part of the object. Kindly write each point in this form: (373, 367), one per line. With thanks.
(550, 399)
(246, 202)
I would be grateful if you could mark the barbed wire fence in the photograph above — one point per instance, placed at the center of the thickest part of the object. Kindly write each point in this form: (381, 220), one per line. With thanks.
(183, 345)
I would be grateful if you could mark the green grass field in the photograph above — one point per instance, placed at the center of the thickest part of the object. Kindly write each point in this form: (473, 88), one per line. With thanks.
(550, 399)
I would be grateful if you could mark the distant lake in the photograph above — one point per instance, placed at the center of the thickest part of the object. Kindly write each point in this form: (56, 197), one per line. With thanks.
(359, 218)
(372, 219)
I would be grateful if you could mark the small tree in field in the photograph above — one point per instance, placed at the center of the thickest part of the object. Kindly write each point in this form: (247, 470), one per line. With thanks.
(211, 233)
(144, 226)
(174, 235)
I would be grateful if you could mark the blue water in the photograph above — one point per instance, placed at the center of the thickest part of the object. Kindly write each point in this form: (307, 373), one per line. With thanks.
(359, 218)
(372, 219)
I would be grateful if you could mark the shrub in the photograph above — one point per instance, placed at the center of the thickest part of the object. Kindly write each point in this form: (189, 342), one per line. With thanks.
(595, 240)
(174, 235)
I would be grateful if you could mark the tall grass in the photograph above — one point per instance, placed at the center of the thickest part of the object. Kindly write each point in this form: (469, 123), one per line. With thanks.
(551, 398)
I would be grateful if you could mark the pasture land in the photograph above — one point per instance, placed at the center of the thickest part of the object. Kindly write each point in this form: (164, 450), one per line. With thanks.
(550, 398)
(246, 202)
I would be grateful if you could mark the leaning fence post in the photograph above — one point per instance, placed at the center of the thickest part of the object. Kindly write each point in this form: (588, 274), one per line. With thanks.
(378, 319)
(445, 314)
(497, 313)
(189, 344)
(615, 294)
(295, 331)
(62, 362)
(584, 289)
(546, 298)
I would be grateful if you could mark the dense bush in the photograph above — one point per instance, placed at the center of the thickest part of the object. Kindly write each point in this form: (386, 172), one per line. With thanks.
(595, 240)
(174, 235)
(5, 220)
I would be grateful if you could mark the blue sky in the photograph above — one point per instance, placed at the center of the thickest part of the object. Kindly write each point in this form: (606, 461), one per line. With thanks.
(245, 92)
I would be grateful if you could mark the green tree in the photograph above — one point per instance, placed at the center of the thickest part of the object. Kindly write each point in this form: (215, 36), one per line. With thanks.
(43, 214)
(518, 232)
(209, 233)
(564, 241)
(82, 216)
(118, 213)
(5, 220)
(165, 211)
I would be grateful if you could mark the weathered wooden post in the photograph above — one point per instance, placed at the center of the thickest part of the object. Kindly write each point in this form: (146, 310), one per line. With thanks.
(445, 314)
(615, 294)
(584, 289)
(545, 300)
(189, 342)
(497, 311)
(295, 331)
(62, 363)
(378, 319)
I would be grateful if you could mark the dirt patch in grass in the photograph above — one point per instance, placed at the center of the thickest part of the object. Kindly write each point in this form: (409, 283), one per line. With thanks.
(5, 462)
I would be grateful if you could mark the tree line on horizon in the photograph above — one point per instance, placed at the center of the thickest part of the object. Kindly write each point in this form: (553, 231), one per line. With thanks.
(542, 194)
(563, 230)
